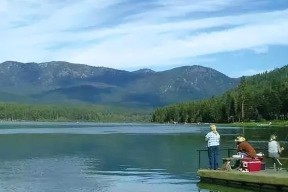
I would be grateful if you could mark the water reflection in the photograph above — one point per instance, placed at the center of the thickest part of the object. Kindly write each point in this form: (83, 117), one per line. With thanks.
(48, 174)
(107, 157)
(205, 187)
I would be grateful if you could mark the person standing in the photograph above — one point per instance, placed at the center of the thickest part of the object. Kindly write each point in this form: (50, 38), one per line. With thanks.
(274, 150)
(213, 142)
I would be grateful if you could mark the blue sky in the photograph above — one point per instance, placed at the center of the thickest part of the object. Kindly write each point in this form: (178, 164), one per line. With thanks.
(235, 37)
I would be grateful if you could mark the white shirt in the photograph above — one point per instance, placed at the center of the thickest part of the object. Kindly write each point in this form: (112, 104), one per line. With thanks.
(273, 147)
(213, 139)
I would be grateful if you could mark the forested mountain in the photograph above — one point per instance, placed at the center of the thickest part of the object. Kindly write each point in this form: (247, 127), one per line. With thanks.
(63, 82)
(260, 97)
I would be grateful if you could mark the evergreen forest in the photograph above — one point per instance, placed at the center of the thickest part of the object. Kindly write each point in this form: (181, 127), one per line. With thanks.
(257, 98)
(81, 113)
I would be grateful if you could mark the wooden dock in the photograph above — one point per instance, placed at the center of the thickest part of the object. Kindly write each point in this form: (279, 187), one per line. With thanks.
(260, 180)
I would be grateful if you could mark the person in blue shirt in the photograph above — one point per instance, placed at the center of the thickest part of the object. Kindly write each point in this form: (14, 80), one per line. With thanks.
(213, 142)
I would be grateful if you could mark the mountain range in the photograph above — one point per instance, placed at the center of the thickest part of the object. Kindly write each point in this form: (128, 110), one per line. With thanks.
(63, 82)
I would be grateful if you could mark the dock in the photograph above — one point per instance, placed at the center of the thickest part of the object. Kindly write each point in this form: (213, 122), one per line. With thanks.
(264, 180)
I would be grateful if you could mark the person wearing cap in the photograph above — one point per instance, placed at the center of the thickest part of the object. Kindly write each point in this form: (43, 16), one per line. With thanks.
(244, 147)
(274, 150)
(213, 142)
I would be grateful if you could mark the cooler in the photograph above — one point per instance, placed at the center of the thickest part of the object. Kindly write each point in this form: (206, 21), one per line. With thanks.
(252, 165)
(263, 165)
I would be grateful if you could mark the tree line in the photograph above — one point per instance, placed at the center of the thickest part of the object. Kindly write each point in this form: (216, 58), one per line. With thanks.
(260, 97)
(46, 112)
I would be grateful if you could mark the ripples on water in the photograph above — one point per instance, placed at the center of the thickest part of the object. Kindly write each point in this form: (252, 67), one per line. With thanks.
(78, 174)
(70, 157)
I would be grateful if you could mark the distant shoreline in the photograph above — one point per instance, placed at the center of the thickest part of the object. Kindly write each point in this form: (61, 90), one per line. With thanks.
(260, 124)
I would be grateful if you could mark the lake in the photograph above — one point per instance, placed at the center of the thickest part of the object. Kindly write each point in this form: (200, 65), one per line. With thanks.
(40, 157)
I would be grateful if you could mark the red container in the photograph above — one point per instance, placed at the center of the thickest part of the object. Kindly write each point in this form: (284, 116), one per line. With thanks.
(263, 165)
(252, 165)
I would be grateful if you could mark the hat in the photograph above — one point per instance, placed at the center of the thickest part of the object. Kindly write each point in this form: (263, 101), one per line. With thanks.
(273, 137)
(240, 139)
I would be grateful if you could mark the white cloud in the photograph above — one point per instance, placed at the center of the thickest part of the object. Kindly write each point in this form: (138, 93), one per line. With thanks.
(143, 47)
(89, 32)
(3, 5)
(261, 49)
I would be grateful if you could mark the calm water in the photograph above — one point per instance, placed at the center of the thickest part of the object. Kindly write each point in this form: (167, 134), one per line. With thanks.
(38, 157)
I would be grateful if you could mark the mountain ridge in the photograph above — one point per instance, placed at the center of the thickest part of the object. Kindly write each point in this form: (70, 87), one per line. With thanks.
(60, 81)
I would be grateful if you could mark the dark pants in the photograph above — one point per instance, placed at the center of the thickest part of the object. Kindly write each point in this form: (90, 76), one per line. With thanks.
(213, 153)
